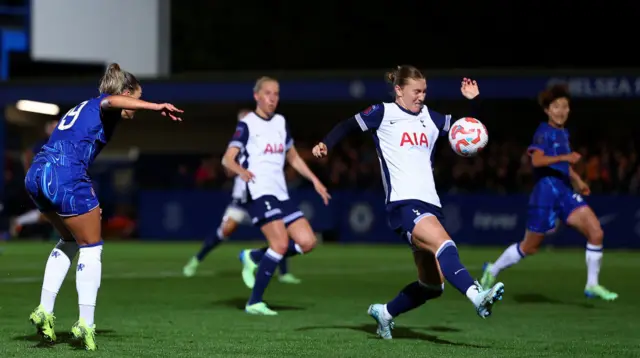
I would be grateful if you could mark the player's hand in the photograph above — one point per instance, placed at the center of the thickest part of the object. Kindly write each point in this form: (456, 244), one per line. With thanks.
(169, 110)
(322, 191)
(247, 176)
(320, 150)
(469, 88)
(573, 157)
(582, 188)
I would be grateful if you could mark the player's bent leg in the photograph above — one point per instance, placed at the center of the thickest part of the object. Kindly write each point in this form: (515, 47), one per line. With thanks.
(55, 272)
(429, 234)
(276, 235)
(429, 286)
(87, 231)
(303, 240)
(585, 221)
(227, 227)
(511, 256)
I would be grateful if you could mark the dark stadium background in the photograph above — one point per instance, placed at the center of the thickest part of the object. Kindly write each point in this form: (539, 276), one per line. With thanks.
(165, 181)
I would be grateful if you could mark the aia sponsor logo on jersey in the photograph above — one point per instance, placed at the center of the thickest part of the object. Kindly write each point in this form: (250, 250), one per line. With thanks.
(414, 139)
(274, 149)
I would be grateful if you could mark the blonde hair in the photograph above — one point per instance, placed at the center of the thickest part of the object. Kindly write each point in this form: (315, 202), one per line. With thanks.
(116, 81)
(261, 81)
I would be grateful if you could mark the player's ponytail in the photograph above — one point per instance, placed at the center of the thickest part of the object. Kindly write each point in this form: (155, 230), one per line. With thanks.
(402, 74)
(116, 81)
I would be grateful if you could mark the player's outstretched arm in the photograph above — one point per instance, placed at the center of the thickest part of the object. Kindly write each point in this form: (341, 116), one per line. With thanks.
(336, 134)
(297, 163)
(130, 103)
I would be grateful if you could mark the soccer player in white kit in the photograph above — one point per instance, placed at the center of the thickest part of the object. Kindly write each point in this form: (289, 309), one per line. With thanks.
(235, 214)
(405, 132)
(264, 141)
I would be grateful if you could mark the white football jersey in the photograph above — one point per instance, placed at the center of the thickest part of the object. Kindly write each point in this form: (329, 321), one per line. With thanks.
(264, 144)
(405, 143)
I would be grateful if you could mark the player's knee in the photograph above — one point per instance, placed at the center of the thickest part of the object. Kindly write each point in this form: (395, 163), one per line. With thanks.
(228, 228)
(308, 243)
(279, 246)
(528, 248)
(595, 235)
(69, 248)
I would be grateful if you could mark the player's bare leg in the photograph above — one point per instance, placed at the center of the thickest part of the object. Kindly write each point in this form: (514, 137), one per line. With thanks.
(585, 221)
(278, 239)
(227, 227)
(86, 228)
(30, 217)
(303, 240)
(429, 286)
(429, 235)
(511, 256)
(55, 272)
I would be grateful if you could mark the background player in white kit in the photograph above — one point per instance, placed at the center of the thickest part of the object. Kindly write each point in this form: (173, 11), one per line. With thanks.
(234, 215)
(405, 133)
(264, 140)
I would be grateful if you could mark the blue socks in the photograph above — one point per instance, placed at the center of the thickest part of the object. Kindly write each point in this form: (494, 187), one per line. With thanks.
(292, 250)
(210, 242)
(452, 268)
(412, 296)
(266, 269)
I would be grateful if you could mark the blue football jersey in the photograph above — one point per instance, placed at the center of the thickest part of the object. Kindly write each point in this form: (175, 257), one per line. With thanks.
(83, 132)
(553, 142)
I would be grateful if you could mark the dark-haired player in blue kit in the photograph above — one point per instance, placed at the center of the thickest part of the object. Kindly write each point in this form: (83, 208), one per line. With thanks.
(60, 186)
(557, 194)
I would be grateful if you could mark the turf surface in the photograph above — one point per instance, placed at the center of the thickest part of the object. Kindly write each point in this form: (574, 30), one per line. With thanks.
(147, 309)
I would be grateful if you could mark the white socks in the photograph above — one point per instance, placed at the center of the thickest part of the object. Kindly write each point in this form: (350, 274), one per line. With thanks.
(594, 261)
(511, 256)
(55, 272)
(88, 279)
(30, 217)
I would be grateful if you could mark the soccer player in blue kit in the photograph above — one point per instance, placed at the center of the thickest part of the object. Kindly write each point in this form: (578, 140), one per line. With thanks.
(59, 184)
(557, 194)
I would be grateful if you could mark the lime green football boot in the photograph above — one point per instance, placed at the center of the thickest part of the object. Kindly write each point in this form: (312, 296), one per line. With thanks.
(248, 268)
(191, 267)
(87, 335)
(260, 309)
(597, 291)
(44, 323)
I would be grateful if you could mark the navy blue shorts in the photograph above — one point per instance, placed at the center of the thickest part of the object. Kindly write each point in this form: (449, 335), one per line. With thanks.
(404, 215)
(268, 208)
(66, 190)
(551, 200)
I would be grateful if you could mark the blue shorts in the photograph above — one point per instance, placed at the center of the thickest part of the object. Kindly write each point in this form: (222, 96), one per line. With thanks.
(66, 190)
(404, 215)
(268, 208)
(551, 199)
